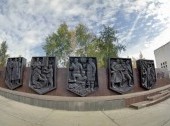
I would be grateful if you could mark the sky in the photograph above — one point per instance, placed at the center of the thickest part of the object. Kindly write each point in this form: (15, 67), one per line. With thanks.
(142, 25)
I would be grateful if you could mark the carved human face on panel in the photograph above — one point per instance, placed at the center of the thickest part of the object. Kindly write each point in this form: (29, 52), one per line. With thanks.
(76, 60)
(118, 61)
(37, 59)
(90, 60)
(50, 66)
(127, 62)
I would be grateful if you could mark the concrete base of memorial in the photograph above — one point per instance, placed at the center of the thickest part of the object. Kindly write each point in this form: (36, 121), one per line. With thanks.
(79, 103)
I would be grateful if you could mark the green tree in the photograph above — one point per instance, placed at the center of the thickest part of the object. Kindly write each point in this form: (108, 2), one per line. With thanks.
(83, 39)
(105, 46)
(67, 42)
(59, 44)
(3, 53)
(81, 42)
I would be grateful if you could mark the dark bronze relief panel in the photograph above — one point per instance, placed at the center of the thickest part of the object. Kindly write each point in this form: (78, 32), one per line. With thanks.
(147, 73)
(14, 72)
(120, 75)
(42, 74)
(83, 78)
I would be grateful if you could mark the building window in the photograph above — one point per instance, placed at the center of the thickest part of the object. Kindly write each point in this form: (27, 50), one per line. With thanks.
(164, 64)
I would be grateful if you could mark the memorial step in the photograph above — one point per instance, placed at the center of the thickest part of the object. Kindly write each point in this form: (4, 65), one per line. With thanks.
(165, 91)
(159, 95)
(139, 105)
(146, 103)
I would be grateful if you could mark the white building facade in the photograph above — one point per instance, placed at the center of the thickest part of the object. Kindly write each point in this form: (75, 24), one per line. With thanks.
(162, 56)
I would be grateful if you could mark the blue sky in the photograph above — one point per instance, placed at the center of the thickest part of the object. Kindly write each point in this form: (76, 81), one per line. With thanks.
(143, 25)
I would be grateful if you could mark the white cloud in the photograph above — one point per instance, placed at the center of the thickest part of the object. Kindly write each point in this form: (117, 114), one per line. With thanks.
(24, 24)
(160, 13)
(147, 48)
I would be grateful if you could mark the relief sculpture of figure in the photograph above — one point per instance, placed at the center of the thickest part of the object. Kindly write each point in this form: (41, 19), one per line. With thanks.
(120, 75)
(147, 73)
(150, 75)
(9, 71)
(144, 73)
(49, 75)
(91, 71)
(36, 63)
(18, 69)
(42, 79)
(38, 79)
(77, 69)
(115, 74)
(15, 72)
(144, 76)
(129, 68)
(126, 73)
(82, 80)
(82, 75)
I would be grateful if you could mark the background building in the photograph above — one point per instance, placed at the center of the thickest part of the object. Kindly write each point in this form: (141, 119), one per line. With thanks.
(162, 56)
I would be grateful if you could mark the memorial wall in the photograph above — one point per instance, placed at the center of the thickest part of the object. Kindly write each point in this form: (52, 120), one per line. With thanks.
(82, 77)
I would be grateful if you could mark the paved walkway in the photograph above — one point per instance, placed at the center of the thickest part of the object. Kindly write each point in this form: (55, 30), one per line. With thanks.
(13, 113)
